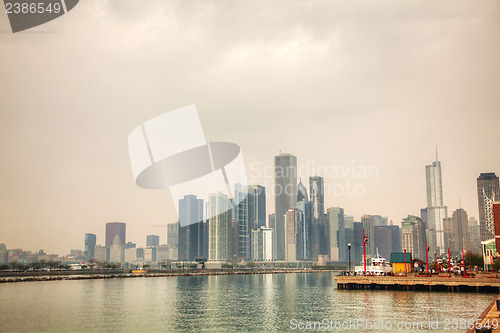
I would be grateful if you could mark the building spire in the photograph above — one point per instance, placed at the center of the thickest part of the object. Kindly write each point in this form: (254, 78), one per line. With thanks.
(437, 159)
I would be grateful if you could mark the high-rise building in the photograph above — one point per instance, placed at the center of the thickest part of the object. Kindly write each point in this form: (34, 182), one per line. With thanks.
(101, 253)
(256, 206)
(150, 254)
(412, 236)
(474, 235)
(436, 212)
(496, 220)
(242, 196)
(165, 253)
(117, 250)
(378, 220)
(131, 255)
(4, 255)
(220, 228)
(191, 228)
(152, 240)
(317, 196)
(451, 236)
(271, 223)
(382, 237)
(488, 189)
(461, 224)
(368, 227)
(90, 241)
(303, 229)
(113, 229)
(357, 244)
(301, 192)
(293, 219)
(285, 191)
(395, 238)
(336, 233)
(262, 244)
(173, 234)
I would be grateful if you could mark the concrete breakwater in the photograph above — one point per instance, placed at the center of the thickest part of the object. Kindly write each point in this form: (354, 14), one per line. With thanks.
(120, 275)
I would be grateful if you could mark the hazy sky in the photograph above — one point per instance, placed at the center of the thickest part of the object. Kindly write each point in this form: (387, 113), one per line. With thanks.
(336, 83)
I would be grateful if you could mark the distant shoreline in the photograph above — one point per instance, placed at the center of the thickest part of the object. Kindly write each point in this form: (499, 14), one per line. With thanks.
(87, 275)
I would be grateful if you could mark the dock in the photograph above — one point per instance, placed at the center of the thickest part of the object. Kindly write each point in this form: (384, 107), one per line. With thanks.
(490, 318)
(453, 283)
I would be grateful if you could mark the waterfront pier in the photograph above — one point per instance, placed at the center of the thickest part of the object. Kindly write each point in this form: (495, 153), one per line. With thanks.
(453, 283)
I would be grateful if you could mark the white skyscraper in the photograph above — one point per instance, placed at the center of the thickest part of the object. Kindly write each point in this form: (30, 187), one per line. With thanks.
(436, 212)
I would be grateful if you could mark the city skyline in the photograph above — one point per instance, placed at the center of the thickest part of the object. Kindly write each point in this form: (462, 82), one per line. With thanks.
(338, 84)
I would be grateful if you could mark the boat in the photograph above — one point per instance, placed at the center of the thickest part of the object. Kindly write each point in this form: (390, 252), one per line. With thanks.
(378, 266)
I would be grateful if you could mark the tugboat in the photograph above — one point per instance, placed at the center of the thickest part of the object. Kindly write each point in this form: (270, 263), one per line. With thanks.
(379, 266)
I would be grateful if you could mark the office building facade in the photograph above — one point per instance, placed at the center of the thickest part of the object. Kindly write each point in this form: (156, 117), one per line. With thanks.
(285, 192)
(488, 190)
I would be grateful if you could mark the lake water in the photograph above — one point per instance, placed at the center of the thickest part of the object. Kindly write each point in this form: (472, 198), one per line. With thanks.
(231, 303)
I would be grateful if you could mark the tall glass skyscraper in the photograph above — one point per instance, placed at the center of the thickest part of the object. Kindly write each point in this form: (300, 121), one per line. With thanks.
(488, 190)
(90, 241)
(301, 192)
(285, 193)
(241, 215)
(304, 232)
(436, 212)
(317, 196)
(257, 206)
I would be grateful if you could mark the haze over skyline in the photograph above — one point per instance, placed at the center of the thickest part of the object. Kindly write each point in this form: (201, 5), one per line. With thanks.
(353, 83)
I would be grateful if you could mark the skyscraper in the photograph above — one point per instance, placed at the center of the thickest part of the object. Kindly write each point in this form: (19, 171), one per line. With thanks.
(336, 231)
(257, 206)
(242, 219)
(317, 196)
(451, 236)
(173, 234)
(436, 212)
(191, 240)
(488, 190)
(461, 224)
(412, 236)
(220, 227)
(496, 219)
(382, 237)
(152, 240)
(262, 244)
(293, 220)
(357, 243)
(113, 229)
(285, 191)
(304, 231)
(368, 227)
(301, 192)
(474, 235)
(117, 250)
(90, 241)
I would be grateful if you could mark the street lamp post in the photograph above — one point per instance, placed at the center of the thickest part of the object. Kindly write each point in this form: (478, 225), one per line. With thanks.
(349, 247)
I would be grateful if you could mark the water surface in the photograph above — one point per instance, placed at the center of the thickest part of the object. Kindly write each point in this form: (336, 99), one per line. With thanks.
(229, 303)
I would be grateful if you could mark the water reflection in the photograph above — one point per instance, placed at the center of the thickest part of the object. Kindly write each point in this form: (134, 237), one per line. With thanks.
(264, 302)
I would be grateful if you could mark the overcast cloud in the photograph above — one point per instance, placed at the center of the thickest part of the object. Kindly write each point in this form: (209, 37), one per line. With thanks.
(336, 83)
